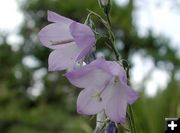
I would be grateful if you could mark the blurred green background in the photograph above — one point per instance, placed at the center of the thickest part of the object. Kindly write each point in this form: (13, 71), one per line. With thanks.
(33, 100)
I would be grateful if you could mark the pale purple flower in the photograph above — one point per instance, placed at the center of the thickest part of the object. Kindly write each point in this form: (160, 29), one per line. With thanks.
(105, 89)
(70, 41)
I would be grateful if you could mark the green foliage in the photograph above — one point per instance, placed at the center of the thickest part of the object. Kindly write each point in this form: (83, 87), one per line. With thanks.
(54, 110)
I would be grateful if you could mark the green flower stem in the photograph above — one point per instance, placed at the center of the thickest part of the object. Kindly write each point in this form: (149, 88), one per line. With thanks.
(112, 38)
(132, 120)
(100, 122)
(108, 19)
(107, 24)
(99, 17)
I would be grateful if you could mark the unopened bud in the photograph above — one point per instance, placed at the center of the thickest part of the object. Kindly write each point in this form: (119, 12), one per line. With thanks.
(112, 128)
(106, 4)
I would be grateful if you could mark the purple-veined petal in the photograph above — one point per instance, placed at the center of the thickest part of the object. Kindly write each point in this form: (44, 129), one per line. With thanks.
(54, 17)
(114, 68)
(54, 35)
(84, 52)
(88, 102)
(132, 95)
(64, 57)
(83, 36)
(88, 77)
(115, 101)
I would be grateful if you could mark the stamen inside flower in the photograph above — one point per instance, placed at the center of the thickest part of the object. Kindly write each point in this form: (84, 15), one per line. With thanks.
(60, 42)
(116, 79)
(97, 96)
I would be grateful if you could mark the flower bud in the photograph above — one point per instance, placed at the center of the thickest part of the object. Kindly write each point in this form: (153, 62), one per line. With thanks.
(104, 2)
(106, 5)
(112, 128)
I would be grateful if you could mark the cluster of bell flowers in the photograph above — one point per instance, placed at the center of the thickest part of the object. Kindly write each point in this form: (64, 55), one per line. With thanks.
(103, 83)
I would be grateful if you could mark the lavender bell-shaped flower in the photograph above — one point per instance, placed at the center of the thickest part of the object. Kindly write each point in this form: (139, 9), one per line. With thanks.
(105, 89)
(71, 41)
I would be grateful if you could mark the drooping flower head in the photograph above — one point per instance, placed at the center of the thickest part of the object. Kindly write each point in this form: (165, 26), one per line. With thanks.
(105, 89)
(70, 41)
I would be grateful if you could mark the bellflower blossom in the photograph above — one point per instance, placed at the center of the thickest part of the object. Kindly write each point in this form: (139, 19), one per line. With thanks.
(105, 89)
(70, 41)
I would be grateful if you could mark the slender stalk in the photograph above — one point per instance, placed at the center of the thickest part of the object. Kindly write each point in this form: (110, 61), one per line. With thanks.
(112, 38)
(99, 17)
(132, 119)
(108, 19)
(108, 25)
(111, 34)
(100, 122)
